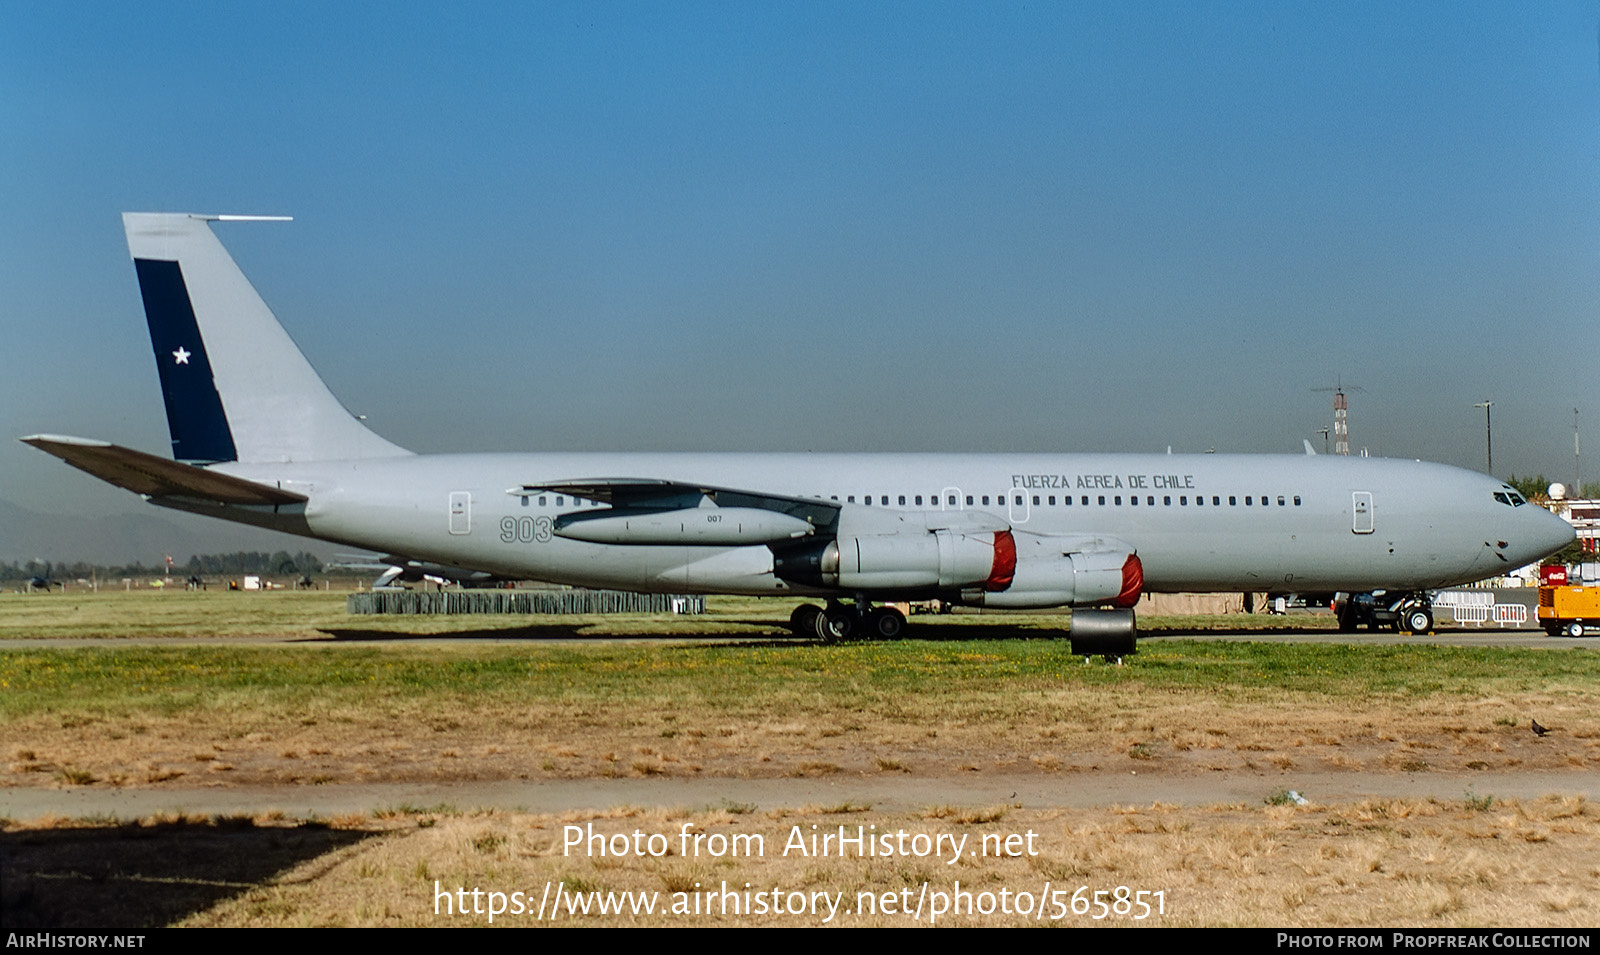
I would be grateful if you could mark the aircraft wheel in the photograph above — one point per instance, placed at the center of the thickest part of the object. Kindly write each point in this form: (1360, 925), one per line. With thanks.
(1575, 629)
(804, 619)
(1419, 621)
(1347, 620)
(835, 625)
(886, 623)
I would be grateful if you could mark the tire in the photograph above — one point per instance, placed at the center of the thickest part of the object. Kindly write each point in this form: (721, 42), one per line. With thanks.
(1419, 621)
(886, 623)
(833, 626)
(803, 620)
(1575, 629)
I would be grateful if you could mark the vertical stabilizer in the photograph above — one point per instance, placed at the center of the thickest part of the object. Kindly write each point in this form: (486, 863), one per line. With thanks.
(236, 387)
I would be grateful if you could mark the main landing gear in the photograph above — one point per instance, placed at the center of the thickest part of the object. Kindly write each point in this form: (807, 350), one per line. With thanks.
(1109, 632)
(837, 621)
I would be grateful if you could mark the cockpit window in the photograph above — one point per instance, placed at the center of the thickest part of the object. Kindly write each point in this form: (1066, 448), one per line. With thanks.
(1510, 498)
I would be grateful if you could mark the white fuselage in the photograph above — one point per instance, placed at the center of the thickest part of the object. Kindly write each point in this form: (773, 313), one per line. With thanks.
(1197, 522)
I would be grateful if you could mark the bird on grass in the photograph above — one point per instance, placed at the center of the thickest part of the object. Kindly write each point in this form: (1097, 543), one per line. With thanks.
(1539, 730)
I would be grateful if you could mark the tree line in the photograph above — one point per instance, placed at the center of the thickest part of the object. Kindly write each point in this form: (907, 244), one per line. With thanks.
(280, 563)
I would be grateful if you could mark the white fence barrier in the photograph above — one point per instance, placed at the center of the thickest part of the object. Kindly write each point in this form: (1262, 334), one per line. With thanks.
(1479, 607)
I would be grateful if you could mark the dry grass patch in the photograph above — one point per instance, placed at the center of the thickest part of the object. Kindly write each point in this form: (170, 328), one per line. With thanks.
(962, 701)
(1392, 862)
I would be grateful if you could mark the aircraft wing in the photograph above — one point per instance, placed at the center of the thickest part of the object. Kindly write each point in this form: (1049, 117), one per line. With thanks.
(154, 476)
(827, 517)
(655, 494)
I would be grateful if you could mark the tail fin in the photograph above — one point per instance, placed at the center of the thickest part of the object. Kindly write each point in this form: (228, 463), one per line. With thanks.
(235, 385)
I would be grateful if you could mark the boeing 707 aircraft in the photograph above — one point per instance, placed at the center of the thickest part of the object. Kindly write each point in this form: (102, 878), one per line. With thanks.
(258, 438)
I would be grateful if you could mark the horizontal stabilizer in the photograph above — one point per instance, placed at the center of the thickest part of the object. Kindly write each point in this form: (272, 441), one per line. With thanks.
(154, 476)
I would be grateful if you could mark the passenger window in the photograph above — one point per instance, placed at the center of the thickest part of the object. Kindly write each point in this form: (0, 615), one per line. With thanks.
(1247, 501)
(1085, 500)
(1297, 500)
(903, 500)
(1166, 501)
(1183, 501)
(884, 500)
(1117, 500)
(1134, 500)
(1280, 500)
(1151, 500)
(1232, 501)
(560, 501)
(919, 500)
(1102, 500)
(1036, 500)
(851, 499)
(969, 500)
(1216, 500)
(1052, 500)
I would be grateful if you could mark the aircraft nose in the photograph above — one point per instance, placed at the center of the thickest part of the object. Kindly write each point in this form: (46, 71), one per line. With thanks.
(1541, 534)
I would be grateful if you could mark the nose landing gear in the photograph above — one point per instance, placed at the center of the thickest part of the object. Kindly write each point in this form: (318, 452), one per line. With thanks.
(1403, 612)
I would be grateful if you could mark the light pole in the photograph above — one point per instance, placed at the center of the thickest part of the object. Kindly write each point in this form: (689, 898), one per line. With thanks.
(1488, 433)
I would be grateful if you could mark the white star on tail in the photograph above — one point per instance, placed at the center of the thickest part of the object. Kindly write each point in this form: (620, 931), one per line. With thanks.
(181, 355)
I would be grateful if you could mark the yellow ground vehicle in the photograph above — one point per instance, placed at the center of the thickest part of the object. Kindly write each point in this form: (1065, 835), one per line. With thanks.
(1574, 611)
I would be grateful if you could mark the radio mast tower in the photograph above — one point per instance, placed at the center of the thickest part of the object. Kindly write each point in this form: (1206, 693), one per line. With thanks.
(1341, 424)
(1341, 417)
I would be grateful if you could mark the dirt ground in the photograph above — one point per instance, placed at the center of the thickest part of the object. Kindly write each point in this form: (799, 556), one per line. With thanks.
(1438, 812)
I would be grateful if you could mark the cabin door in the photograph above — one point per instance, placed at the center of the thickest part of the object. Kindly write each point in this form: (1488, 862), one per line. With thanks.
(460, 512)
(1361, 508)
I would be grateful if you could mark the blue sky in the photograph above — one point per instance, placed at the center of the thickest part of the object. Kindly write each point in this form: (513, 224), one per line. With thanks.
(765, 226)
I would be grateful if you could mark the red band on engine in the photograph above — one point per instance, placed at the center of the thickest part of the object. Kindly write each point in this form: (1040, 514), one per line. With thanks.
(1005, 562)
(1132, 582)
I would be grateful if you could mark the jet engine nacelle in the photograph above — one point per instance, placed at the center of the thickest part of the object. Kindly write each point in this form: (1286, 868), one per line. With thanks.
(1047, 577)
(909, 562)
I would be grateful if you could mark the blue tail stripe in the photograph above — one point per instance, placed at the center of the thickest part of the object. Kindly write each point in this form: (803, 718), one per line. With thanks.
(199, 427)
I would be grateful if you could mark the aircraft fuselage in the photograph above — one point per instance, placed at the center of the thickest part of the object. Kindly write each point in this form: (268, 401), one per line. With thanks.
(1197, 522)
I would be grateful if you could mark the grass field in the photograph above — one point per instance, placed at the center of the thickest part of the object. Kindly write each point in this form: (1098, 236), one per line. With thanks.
(376, 700)
(320, 614)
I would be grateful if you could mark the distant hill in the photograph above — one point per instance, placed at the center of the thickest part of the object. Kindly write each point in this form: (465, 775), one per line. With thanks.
(126, 538)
